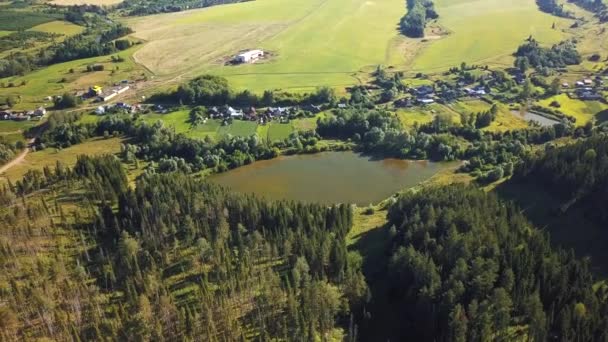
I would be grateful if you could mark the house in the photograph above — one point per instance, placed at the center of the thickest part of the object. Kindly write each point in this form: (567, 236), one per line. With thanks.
(113, 93)
(588, 82)
(100, 110)
(403, 103)
(426, 101)
(249, 56)
(40, 112)
(312, 108)
(424, 91)
(565, 85)
(590, 96)
(251, 113)
(342, 105)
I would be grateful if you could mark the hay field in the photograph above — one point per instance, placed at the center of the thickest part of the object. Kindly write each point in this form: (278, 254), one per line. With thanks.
(331, 42)
(486, 32)
(312, 43)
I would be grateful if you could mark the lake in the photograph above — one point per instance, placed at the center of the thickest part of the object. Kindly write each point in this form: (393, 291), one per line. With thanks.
(329, 177)
(543, 121)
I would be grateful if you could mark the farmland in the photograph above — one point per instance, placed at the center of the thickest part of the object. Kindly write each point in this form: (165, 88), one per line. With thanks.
(69, 76)
(486, 32)
(49, 157)
(311, 46)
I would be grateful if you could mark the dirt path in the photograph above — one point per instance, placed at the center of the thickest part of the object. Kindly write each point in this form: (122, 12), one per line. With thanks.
(17, 159)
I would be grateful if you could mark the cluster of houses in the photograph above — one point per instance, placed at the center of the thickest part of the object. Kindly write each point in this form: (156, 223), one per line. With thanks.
(426, 95)
(36, 114)
(588, 89)
(262, 117)
(119, 106)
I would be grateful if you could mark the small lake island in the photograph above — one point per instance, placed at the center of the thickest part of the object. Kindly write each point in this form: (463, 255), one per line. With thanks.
(329, 177)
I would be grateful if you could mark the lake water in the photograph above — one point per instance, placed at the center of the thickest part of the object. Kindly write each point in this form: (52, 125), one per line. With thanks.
(543, 121)
(329, 177)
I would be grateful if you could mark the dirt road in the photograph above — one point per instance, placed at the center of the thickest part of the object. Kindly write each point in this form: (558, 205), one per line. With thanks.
(17, 159)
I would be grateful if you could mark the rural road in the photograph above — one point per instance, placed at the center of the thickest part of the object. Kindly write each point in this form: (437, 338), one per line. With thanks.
(17, 159)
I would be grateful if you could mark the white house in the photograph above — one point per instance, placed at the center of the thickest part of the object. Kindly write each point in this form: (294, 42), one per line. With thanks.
(249, 56)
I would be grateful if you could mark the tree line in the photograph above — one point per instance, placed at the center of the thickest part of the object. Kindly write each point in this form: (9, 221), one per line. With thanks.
(466, 266)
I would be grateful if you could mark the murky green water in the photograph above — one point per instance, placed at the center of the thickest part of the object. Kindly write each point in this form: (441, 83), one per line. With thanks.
(331, 177)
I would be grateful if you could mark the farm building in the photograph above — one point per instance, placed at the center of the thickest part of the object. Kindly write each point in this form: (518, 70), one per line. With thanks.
(113, 93)
(249, 56)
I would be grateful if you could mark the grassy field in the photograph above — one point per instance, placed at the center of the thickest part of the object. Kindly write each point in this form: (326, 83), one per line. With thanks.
(61, 27)
(9, 126)
(504, 121)
(583, 111)
(57, 79)
(310, 43)
(333, 42)
(486, 32)
(50, 156)
(215, 130)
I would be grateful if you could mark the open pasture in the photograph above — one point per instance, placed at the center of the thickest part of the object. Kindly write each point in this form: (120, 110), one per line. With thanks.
(486, 32)
(50, 156)
(34, 87)
(311, 43)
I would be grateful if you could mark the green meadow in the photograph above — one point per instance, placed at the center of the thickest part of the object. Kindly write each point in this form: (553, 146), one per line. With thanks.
(583, 111)
(333, 42)
(214, 129)
(486, 32)
(311, 43)
(34, 87)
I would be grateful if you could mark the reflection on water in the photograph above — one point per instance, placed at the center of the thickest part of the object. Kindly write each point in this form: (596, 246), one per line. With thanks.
(543, 121)
(330, 177)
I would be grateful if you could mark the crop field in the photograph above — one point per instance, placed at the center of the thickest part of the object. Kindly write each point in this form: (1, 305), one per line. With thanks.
(583, 111)
(486, 32)
(309, 44)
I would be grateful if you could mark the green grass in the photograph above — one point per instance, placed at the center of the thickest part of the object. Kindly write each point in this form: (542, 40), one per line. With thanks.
(312, 42)
(504, 121)
(583, 111)
(239, 128)
(23, 20)
(279, 131)
(10, 126)
(486, 32)
(50, 156)
(5, 33)
(409, 117)
(60, 27)
(47, 81)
